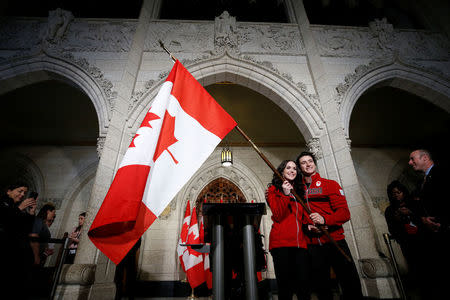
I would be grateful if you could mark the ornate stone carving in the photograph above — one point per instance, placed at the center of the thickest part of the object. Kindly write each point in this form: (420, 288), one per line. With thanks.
(313, 146)
(186, 37)
(98, 76)
(225, 37)
(58, 21)
(384, 32)
(376, 267)
(100, 144)
(313, 98)
(270, 38)
(82, 274)
(360, 71)
(168, 210)
(101, 36)
(349, 144)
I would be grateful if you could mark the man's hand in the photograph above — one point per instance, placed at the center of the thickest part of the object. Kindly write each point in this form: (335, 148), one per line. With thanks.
(430, 223)
(317, 218)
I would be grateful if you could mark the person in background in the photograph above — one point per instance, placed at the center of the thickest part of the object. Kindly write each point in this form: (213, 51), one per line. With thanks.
(287, 242)
(74, 237)
(40, 234)
(405, 226)
(16, 256)
(434, 213)
(326, 200)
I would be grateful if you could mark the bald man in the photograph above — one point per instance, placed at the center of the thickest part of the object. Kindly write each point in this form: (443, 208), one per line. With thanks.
(434, 212)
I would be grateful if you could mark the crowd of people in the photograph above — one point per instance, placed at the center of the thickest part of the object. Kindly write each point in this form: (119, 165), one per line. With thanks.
(419, 222)
(307, 241)
(25, 239)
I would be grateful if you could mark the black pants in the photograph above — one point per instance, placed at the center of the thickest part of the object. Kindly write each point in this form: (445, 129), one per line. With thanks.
(291, 269)
(325, 256)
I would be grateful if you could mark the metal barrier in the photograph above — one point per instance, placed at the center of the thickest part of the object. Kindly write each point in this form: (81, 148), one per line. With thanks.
(387, 239)
(60, 262)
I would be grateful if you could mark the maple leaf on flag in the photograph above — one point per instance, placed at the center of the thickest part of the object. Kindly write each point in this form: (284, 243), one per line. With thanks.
(132, 141)
(166, 137)
(149, 117)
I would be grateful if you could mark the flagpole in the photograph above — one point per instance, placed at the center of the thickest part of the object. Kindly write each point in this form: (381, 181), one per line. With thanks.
(168, 52)
(298, 199)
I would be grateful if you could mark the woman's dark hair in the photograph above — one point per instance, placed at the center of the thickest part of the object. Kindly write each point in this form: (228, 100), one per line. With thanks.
(15, 185)
(42, 214)
(83, 214)
(305, 153)
(396, 184)
(277, 182)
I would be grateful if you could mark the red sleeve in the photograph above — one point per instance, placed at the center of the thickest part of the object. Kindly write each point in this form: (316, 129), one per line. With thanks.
(338, 203)
(279, 204)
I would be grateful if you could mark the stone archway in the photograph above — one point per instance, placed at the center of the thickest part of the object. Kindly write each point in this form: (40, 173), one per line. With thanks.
(431, 87)
(301, 107)
(74, 72)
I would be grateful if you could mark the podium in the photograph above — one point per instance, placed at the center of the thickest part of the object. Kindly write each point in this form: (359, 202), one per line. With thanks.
(245, 217)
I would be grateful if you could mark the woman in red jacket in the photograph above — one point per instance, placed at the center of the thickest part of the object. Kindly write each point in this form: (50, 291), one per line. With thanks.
(287, 240)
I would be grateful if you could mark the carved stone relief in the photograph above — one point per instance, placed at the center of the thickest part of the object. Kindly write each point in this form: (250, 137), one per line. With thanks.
(58, 21)
(98, 76)
(313, 146)
(100, 144)
(225, 33)
(180, 37)
(270, 38)
(104, 36)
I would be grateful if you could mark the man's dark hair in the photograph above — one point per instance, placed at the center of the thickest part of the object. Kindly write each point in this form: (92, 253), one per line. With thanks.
(305, 153)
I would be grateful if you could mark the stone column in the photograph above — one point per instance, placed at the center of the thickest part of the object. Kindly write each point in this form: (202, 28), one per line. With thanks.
(337, 162)
(114, 147)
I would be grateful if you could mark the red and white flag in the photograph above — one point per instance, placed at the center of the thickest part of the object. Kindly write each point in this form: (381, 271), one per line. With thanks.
(177, 135)
(193, 260)
(206, 262)
(184, 234)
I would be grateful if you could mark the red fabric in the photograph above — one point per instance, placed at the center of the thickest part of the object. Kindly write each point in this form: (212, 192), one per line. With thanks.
(123, 213)
(206, 260)
(196, 102)
(195, 270)
(287, 219)
(135, 198)
(327, 198)
(184, 234)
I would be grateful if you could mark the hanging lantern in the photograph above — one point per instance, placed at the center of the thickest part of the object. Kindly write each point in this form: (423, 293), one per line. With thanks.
(226, 157)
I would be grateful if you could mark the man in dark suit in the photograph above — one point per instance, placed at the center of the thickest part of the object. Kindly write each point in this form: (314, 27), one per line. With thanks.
(434, 211)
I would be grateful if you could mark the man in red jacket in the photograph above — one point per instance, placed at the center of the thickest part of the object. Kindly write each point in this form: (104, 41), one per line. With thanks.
(326, 200)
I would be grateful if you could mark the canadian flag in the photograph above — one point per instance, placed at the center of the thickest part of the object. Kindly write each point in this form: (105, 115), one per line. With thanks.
(184, 234)
(206, 262)
(193, 260)
(178, 133)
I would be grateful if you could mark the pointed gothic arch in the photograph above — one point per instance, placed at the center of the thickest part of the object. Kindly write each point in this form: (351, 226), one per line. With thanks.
(431, 87)
(301, 107)
(26, 71)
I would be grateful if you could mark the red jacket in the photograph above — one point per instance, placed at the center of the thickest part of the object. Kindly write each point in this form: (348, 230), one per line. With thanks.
(326, 197)
(287, 217)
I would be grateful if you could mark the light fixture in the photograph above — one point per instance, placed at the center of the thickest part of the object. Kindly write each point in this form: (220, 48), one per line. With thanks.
(226, 157)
